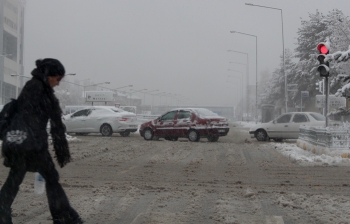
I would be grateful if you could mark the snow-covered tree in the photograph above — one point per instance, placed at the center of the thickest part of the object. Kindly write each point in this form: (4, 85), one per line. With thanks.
(274, 91)
(334, 27)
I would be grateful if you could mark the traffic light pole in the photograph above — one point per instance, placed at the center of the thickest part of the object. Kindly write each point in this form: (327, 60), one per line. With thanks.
(327, 93)
(323, 70)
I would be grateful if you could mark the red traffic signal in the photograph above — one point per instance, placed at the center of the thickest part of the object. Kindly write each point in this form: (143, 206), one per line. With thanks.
(323, 48)
(323, 68)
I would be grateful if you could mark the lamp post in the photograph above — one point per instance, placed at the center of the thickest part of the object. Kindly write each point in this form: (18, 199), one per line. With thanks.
(183, 98)
(123, 87)
(168, 95)
(171, 101)
(134, 92)
(241, 91)
(256, 71)
(144, 95)
(17, 75)
(241, 78)
(284, 66)
(153, 98)
(94, 85)
(244, 105)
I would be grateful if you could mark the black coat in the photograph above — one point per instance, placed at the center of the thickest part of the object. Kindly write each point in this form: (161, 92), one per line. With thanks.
(37, 104)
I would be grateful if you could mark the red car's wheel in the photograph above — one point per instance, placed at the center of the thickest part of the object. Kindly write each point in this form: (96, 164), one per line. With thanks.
(193, 135)
(148, 134)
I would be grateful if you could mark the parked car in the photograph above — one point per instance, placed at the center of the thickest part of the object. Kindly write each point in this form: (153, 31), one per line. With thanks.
(286, 126)
(101, 119)
(191, 123)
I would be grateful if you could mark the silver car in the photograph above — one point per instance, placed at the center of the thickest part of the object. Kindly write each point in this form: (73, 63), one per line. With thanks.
(101, 119)
(286, 126)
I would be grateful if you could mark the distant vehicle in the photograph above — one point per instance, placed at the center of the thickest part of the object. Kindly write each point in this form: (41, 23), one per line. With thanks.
(72, 108)
(286, 126)
(101, 119)
(191, 123)
(131, 109)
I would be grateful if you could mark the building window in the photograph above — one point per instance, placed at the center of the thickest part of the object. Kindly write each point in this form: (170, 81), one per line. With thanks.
(10, 23)
(10, 46)
(11, 7)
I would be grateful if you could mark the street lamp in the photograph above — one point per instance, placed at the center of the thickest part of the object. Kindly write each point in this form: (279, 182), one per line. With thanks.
(241, 91)
(134, 92)
(237, 63)
(153, 99)
(183, 98)
(284, 66)
(172, 96)
(241, 85)
(123, 87)
(144, 95)
(167, 95)
(245, 105)
(93, 85)
(256, 71)
(17, 75)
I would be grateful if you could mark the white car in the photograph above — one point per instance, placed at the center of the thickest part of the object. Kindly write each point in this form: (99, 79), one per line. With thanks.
(101, 119)
(286, 126)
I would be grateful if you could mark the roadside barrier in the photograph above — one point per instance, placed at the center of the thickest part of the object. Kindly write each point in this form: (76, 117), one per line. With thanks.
(325, 140)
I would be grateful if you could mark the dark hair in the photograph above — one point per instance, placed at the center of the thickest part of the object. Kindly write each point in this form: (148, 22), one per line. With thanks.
(50, 67)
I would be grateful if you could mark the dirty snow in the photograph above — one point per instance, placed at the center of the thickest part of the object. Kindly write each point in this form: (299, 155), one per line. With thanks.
(304, 157)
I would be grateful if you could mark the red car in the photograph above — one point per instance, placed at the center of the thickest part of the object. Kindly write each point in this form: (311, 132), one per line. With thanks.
(191, 123)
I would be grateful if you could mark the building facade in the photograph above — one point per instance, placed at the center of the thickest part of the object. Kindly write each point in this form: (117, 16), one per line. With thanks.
(11, 48)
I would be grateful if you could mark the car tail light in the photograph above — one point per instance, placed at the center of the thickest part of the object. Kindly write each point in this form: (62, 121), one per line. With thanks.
(123, 119)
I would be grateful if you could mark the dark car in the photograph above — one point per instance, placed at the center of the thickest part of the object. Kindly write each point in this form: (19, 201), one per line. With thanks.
(191, 123)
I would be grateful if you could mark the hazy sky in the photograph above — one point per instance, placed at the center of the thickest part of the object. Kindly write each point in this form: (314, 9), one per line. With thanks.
(175, 46)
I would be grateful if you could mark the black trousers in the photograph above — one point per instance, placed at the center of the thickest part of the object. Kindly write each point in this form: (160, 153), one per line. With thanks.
(60, 209)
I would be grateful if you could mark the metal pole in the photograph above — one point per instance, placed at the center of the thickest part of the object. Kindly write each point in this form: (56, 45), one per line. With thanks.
(323, 109)
(245, 104)
(152, 104)
(301, 101)
(327, 93)
(284, 67)
(256, 79)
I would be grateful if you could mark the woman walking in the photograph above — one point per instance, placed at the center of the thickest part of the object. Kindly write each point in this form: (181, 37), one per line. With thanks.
(35, 106)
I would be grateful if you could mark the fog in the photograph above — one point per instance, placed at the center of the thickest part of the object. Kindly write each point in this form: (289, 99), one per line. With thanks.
(178, 47)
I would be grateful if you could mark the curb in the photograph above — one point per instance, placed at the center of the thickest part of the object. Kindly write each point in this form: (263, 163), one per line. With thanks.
(321, 150)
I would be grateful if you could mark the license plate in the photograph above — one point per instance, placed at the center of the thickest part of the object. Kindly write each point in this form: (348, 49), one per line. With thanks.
(133, 126)
(222, 130)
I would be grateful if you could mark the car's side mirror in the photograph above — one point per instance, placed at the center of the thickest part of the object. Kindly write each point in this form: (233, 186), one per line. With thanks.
(274, 121)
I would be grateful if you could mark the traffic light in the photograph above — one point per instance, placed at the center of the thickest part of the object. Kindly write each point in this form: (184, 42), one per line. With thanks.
(323, 68)
(319, 86)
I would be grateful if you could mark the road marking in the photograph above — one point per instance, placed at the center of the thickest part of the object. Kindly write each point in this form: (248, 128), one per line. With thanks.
(274, 220)
(126, 170)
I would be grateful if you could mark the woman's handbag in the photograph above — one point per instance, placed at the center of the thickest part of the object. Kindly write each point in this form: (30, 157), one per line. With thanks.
(19, 136)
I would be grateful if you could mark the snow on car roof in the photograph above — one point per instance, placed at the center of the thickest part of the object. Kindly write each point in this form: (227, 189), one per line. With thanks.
(201, 111)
